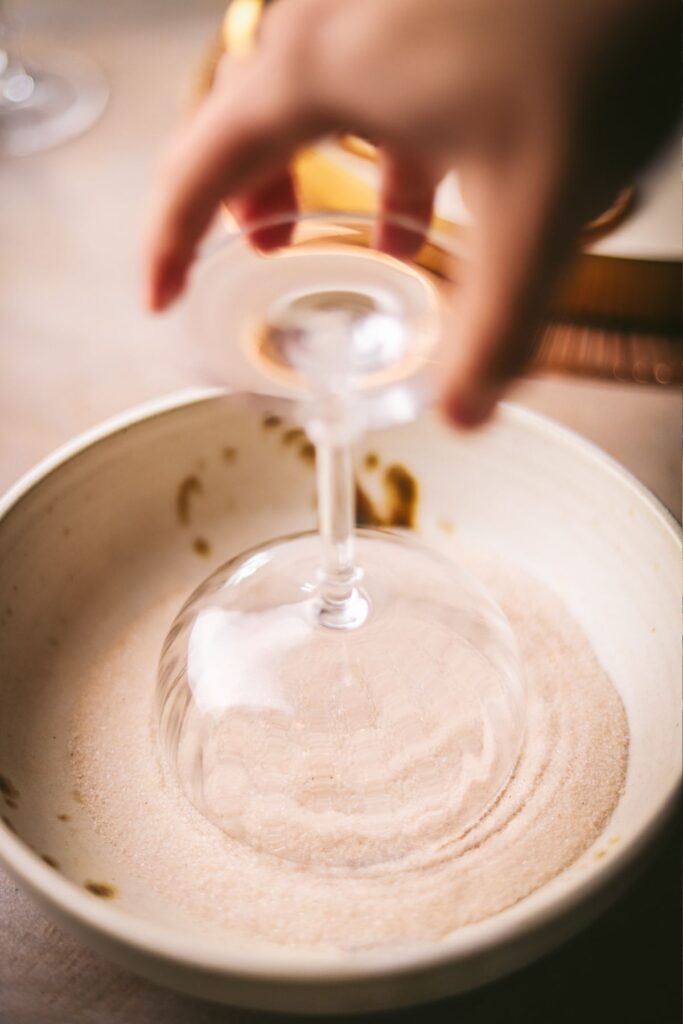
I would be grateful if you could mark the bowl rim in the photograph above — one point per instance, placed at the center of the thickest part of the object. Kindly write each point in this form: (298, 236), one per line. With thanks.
(264, 961)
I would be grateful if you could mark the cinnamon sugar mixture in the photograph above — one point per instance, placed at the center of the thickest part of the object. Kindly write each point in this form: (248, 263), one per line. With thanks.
(567, 783)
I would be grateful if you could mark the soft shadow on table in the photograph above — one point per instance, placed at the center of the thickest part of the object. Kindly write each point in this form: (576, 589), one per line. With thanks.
(625, 968)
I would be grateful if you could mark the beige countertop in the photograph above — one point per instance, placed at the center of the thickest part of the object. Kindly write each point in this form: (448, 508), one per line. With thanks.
(76, 346)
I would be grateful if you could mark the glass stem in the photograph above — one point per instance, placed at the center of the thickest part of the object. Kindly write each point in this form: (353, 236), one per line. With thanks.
(335, 512)
(341, 604)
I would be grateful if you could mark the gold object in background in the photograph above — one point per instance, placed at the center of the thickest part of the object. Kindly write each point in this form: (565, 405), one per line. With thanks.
(595, 228)
(240, 26)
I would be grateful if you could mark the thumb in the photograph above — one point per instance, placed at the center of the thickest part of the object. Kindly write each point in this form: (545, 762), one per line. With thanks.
(522, 238)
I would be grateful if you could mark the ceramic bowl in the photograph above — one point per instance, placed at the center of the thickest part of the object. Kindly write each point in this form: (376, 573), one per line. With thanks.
(88, 529)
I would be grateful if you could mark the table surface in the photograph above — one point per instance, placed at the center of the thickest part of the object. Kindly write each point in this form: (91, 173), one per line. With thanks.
(76, 346)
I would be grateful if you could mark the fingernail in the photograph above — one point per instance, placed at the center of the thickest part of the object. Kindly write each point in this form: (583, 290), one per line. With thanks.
(167, 290)
(156, 298)
(150, 299)
(468, 411)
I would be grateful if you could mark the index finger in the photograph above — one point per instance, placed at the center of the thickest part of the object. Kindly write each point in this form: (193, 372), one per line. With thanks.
(240, 138)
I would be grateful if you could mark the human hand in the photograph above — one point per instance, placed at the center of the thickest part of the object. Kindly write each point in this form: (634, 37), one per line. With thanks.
(545, 109)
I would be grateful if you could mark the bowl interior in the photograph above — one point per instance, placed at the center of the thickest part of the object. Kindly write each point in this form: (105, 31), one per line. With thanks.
(84, 554)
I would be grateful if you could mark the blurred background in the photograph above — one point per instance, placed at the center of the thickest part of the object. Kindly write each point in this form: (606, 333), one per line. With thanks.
(76, 347)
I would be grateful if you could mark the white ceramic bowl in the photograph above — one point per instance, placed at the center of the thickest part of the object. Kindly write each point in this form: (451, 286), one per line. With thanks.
(525, 488)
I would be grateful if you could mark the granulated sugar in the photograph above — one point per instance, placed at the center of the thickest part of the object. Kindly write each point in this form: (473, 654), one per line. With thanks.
(567, 783)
